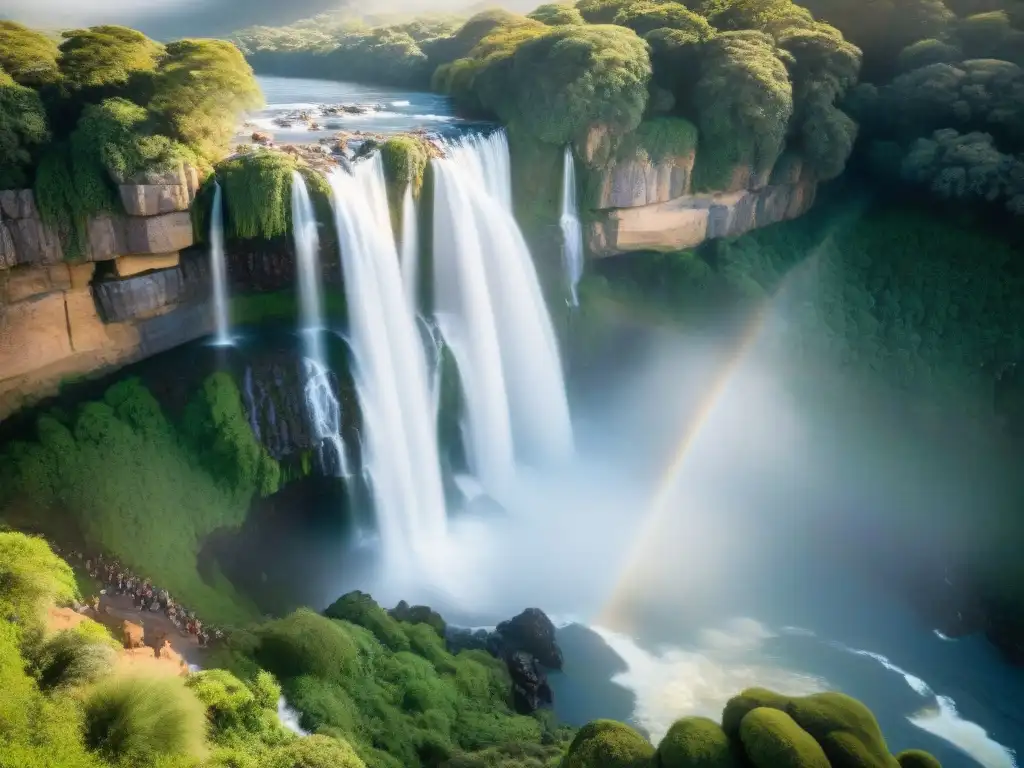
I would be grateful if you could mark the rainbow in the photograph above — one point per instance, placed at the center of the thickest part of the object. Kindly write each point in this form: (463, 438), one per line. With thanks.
(613, 614)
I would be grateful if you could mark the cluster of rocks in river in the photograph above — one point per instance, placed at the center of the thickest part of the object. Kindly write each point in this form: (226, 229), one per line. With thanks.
(527, 645)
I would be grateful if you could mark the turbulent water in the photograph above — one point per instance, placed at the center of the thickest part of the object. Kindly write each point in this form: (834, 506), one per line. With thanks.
(218, 267)
(490, 309)
(572, 232)
(399, 440)
(321, 400)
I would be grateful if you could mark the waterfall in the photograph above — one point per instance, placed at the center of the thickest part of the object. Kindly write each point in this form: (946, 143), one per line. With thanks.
(410, 249)
(390, 371)
(321, 402)
(491, 311)
(572, 233)
(218, 267)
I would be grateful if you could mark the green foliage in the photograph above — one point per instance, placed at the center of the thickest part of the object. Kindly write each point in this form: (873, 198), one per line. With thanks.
(405, 161)
(916, 758)
(570, 78)
(31, 577)
(772, 739)
(240, 717)
(201, 89)
(222, 439)
(744, 100)
(557, 14)
(383, 55)
(140, 721)
(762, 15)
(22, 128)
(989, 36)
(966, 167)
(693, 742)
(28, 56)
(150, 474)
(120, 134)
(70, 659)
(315, 752)
(105, 56)
(890, 27)
(513, 755)
(257, 194)
(601, 11)
(925, 52)
(659, 139)
(359, 608)
(645, 16)
(306, 643)
(608, 744)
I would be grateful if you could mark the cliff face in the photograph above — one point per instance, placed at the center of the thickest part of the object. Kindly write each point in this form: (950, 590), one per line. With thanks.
(637, 204)
(61, 320)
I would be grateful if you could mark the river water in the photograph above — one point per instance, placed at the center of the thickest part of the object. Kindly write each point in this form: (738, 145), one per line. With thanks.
(399, 110)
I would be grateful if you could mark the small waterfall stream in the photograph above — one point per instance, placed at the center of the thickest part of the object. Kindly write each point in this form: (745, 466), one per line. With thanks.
(490, 308)
(390, 370)
(572, 232)
(218, 268)
(321, 400)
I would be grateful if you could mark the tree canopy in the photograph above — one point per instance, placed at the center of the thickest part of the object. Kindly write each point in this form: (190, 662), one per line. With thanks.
(29, 57)
(22, 130)
(105, 56)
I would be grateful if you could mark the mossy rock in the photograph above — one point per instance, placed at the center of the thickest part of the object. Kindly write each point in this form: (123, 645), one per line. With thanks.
(738, 706)
(845, 729)
(696, 742)
(608, 744)
(772, 739)
(917, 758)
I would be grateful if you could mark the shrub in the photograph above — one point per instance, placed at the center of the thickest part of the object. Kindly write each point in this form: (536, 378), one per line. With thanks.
(105, 57)
(257, 194)
(141, 721)
(644, 16)
(69, 659)
(203, 112)
(31, 578)
(659, 139)
(925, 52)
(771, 739)
(359, 608)
(557, 14)
(571, 78)
(601, 11)
(315, 752)
(696, 741)
(608, 744)
(22, 129)
(744, 100)
(28, 56)
(306, 643)
(916, 758)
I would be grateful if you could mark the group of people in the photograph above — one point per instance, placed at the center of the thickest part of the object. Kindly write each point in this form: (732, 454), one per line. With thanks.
(118, 580)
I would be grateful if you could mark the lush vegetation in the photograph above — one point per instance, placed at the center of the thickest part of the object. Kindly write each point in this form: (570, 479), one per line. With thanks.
(375, 692)
(119, 476)
(106, 105)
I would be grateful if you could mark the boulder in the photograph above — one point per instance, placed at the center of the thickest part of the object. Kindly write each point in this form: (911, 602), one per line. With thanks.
(140, 296)
(81, 274)
(107, 238)
(34, 242)
(671, 226)
(18, 204)
(732, 214)
(154, 199)
(530, 689)
(533, 632)
(24, 282)
(8, 256)
(159, 234)
(127, 266)
(33, 334)
(638, 182)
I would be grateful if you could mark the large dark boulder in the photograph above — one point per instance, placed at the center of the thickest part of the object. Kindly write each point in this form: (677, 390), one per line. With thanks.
(533, 632)
(530, 689)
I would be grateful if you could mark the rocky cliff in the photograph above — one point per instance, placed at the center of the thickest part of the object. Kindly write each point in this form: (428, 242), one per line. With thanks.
(637, 203)
(62, 319)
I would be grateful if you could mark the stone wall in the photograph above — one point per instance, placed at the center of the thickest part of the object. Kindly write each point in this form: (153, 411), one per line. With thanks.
(61, 320)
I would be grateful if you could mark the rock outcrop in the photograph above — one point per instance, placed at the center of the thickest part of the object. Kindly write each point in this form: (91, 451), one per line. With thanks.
(528, 647)
(686, 222)
(638, 181)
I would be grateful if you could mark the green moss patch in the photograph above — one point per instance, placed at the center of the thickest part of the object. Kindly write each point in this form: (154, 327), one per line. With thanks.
(772, 739)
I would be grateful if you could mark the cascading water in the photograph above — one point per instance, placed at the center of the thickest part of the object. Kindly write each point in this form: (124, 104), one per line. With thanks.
(572, 232)
(410, 250)
(321, 402)
(390, 370)
(491, 311)
(218, 267)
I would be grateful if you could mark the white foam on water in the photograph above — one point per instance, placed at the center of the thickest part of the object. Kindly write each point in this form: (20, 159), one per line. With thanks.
(944, 721)
(289, 717)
